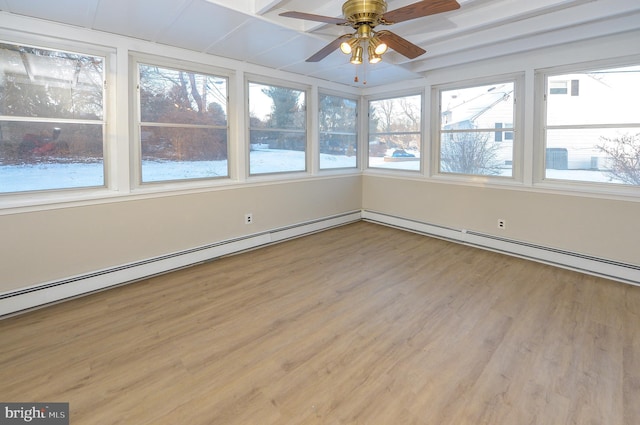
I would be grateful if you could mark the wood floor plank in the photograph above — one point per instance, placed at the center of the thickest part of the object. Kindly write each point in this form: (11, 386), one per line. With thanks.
(360, 324)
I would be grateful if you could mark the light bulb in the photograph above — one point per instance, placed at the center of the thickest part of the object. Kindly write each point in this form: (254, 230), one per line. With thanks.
(379, 47)
(373, 57)
(345, 47)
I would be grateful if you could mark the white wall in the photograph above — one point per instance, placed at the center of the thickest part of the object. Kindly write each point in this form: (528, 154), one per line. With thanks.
(597, 221)
(43, 246)
(604, 228)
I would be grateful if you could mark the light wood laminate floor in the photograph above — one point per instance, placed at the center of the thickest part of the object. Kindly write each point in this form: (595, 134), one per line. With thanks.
(360, 324)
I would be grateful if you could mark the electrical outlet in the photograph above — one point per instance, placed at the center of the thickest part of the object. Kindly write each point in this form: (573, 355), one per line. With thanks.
(502, 224)
(248, 218)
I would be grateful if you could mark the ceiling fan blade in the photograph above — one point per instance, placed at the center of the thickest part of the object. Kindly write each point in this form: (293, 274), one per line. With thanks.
(329, 48)
(317, 18)
(420, 9)
(401, 45)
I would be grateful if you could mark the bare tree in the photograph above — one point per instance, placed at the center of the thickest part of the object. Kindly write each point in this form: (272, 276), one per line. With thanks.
(469, 153)
(412, 113)
(385, 115)
(169, 96)
(395, 123)
(624, 154)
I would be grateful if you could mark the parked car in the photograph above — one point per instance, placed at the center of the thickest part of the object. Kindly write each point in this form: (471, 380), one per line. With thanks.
(401, 153)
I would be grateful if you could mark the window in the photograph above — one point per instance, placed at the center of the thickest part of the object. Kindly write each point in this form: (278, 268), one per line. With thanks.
(476, 130)
(595, 137)
(338, 132)
(562, 87)
(394, 133)
(183, 124)
(277, 127)
(500, 135)
(558, 87)
(51, 119)
(575, 87)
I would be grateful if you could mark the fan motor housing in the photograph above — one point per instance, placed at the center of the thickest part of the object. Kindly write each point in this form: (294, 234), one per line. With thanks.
(364, 11)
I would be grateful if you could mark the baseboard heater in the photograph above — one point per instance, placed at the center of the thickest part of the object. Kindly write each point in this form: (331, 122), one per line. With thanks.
(622, 272)
(16, 301)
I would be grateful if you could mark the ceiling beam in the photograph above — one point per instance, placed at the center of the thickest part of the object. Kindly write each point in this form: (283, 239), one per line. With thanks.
(265, 6)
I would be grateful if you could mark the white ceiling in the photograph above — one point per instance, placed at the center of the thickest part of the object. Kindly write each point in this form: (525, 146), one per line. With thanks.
(252, 31)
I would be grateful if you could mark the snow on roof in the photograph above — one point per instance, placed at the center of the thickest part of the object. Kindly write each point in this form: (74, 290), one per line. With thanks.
(468, 110)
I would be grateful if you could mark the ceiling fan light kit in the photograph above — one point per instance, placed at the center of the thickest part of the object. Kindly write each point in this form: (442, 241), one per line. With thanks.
(373, 57)
(347, 46)
(363, 16)
(356, 58)
(379, 47)
(364, 35)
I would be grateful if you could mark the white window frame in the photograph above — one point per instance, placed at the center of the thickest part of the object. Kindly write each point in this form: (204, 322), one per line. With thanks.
(136, 149)
(358, 101)
(540, 181)
(278, 175)
(39, 198)
(365, 145)
(517, 175)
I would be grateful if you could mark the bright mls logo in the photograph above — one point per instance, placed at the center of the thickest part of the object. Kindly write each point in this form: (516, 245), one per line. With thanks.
(34, 413)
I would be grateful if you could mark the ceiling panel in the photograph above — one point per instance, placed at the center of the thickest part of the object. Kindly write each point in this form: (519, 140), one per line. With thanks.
(344, 74)
(201, 24)
(331, 8)
(251, 39)
(295, 50)
(378, 75)
(143, 19)
(339, 72)
(73, 12)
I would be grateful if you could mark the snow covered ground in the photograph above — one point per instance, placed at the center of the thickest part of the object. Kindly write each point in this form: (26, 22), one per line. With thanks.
(379, 162)
(46, 176)
(593, 176)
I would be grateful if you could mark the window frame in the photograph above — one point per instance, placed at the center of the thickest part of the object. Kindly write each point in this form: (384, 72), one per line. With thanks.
(274, 82)
(49, 196)
(136, 59)
(516, 131)
(420, 132)
(540, 181)
(357, 132)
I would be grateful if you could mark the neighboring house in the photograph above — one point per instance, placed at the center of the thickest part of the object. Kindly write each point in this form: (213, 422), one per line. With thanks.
(575, 118)
(484, 109)
(575, 101)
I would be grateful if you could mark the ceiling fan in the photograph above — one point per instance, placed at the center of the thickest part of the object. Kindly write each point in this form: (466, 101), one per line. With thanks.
(363, 16)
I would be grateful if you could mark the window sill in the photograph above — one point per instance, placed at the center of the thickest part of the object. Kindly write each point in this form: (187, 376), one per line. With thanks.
(40, 201)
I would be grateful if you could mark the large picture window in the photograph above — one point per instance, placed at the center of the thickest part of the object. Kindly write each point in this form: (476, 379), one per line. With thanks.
(395, 133)
(183, 124)
(51, 119)
(592, 131)
(477, 130)
(338, 132)
(278, 129)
